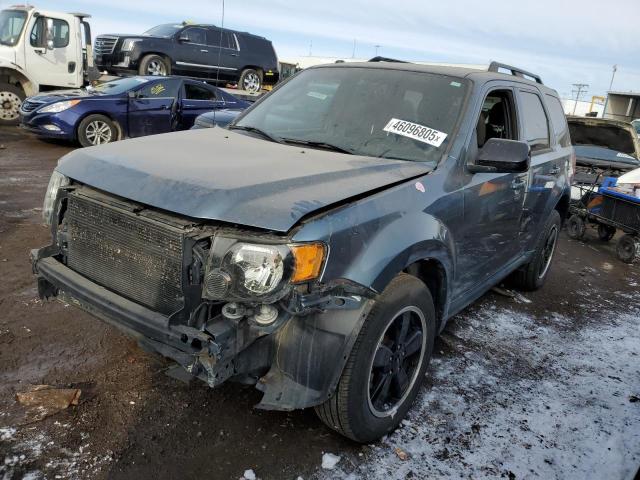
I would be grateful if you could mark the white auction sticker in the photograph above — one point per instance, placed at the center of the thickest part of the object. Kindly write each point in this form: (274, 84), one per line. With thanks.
(415, 131)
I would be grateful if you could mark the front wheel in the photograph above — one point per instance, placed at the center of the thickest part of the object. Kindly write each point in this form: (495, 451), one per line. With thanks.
(628, 248)
(387, 363)
(250, 80)
(11, 98)
(154, 65)
(532, 275)
(576, 228)
(96, 130)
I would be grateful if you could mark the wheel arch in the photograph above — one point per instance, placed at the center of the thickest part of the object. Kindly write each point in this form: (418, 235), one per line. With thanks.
(433, 274)
(19, 79)
(562, 205)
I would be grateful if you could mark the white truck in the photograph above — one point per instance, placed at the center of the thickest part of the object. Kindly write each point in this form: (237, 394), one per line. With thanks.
(41, 50)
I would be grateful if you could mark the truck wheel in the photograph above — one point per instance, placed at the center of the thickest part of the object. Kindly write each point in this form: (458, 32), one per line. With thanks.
(250, 80)
(605, 232)
(576, 227)
(154, 65)
(532, 275)
(628, 248)
(11, 98)
(387, 363)
(96, 130)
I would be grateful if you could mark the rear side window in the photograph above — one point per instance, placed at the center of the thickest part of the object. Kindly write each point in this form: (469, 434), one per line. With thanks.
(196, 92)
(534, 120)
(560, 127)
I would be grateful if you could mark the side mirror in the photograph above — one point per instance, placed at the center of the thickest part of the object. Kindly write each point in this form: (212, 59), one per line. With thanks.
(49, 34)
(183, 38)
(504, 156)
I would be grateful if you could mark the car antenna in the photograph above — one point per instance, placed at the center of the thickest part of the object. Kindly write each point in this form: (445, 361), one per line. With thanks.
(219, 59)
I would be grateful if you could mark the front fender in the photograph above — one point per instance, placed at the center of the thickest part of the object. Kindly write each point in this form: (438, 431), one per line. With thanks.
(15, 74)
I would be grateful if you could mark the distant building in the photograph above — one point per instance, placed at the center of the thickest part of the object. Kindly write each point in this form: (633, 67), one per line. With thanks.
(594, 108)
(623, 106)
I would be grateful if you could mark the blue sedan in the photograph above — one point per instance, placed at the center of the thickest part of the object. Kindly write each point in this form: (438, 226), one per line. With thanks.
(123, 108)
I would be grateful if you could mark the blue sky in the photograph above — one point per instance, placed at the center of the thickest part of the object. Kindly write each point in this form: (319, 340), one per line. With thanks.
(565, 41)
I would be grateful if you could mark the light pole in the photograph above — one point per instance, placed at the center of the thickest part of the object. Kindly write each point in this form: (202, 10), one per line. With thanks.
(377, 48)
(606, 102)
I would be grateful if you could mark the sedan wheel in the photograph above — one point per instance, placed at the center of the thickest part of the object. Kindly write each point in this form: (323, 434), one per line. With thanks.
(98, 132)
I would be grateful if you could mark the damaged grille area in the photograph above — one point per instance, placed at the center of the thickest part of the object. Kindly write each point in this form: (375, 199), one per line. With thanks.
(130, 255)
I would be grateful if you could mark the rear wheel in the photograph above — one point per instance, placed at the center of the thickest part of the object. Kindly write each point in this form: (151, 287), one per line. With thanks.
(532, 275)
(96, 130)
(387, 363)
(576, 227)
(605, 232)
(250, 80)
(154, 65)
(628, 248)
(11, 98)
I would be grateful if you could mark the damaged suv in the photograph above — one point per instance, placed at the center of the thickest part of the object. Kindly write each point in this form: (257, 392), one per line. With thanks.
(318, 246)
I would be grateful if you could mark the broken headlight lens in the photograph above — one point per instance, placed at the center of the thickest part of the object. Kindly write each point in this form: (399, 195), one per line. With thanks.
(55, 183)
(257, 269)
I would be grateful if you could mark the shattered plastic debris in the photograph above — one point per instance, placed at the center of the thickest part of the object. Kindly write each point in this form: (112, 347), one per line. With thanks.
(249, 475)
(46, 400)
(401, 454)
(329, 461)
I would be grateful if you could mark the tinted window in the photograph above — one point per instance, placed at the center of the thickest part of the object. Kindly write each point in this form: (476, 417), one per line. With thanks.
(560, 128)
(196, 92)
(11, 24)
(195, 35)
(228, 41)
(161, 89)
(166, 30)
(374, 112)
(213, 37)
(536, 127)
(60, 30)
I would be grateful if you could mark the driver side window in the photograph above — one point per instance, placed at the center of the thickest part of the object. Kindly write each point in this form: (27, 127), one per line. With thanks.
(195, 35)
(497, 118)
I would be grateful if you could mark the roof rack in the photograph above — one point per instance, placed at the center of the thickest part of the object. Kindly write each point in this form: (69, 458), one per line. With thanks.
(386, 59)
(518, 72)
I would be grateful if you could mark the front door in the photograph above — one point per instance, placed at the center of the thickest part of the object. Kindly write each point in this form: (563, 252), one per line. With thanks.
(192, 53)
(154, 108)
(198, 98)
(493, 202)
(58, 66)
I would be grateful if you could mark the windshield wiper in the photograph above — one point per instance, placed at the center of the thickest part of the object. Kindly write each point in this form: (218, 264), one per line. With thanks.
(325, 145)
(264, 134)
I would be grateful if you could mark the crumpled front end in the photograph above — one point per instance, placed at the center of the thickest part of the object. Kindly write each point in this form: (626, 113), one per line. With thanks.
(190, 292)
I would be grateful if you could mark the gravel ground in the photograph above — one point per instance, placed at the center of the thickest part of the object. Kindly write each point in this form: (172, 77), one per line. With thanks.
(543, 385)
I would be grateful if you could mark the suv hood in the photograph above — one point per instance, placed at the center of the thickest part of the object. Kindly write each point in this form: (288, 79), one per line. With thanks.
(216, 174)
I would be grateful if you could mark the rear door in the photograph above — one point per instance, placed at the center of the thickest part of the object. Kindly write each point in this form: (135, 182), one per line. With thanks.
(154, 109)
(548, 163)
(223, 54)
(198, 98)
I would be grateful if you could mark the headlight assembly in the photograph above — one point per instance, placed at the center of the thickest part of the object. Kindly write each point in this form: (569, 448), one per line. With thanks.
(239, 271)
(55, 183)
(128, 43)
(59, 106)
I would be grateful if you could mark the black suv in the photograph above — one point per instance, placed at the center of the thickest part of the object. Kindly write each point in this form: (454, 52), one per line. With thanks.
(203, 51)
(318, 247)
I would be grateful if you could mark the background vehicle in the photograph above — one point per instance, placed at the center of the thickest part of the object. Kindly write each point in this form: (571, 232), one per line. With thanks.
(636, 125)
(203, 51)
(220, 118)
(127, 107)
(341, 222)
(41, 50)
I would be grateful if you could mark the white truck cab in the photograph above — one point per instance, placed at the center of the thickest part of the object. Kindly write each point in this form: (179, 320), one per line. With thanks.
(41, 50)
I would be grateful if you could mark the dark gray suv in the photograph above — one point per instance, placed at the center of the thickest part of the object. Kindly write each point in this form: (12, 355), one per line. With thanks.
(317, 247)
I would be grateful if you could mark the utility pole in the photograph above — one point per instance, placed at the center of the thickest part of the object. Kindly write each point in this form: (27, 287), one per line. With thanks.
(353, 53)
(377, 48)
(579, 90)
(606, 102)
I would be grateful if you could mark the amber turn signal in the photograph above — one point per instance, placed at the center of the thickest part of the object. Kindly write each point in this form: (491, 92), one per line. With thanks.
(308, 261)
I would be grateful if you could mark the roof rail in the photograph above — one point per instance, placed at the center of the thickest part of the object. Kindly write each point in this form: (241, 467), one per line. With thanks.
(386, 59)
(518, 72)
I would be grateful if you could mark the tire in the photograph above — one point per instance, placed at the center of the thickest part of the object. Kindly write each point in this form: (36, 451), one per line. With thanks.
(605, 232)
(154, 65)
(533, 275)
(250, 80)
(628, 248)
(576, 227)
(357, 409)
(96, 130)
(11, 98)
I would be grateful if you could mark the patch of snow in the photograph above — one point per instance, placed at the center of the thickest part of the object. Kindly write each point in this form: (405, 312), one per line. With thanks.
(517, 395)
(249, 475)
(7, 433)
(329, 461)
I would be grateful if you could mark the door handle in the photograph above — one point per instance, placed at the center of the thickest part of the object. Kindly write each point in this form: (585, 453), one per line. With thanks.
(39, 51)
(555, 169)
(205, 51)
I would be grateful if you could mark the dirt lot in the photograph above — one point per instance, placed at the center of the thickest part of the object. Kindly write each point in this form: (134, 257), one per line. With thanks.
(544, 385)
